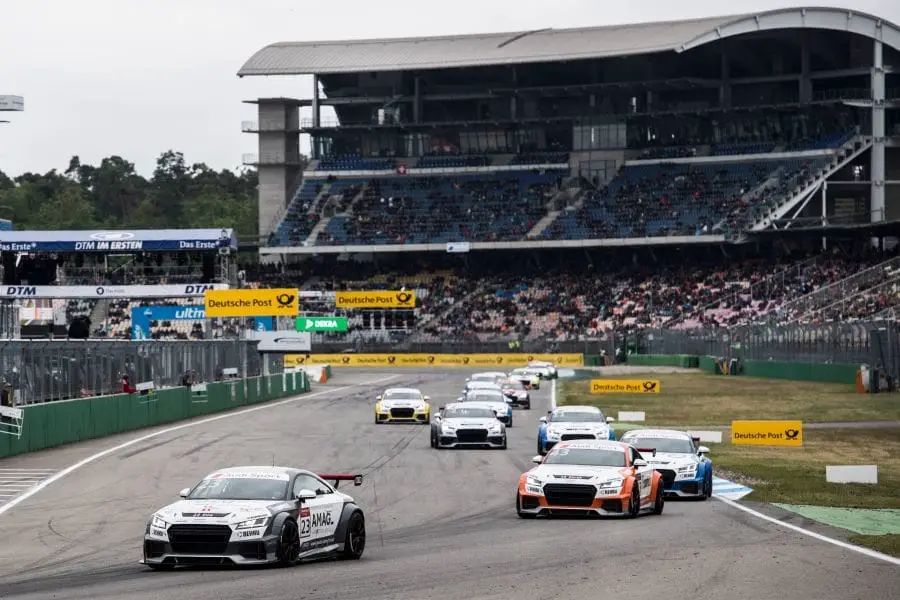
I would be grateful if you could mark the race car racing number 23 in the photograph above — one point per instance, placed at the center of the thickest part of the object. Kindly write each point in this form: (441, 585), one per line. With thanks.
(305, 523)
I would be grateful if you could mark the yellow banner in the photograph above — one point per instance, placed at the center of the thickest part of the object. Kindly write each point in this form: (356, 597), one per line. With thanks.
(767, 433)
(625, 386)
(375, 299)
(280, 302)
(486, 361)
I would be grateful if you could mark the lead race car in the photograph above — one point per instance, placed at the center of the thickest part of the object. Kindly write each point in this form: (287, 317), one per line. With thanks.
(402, 405)
(468, 424)
(254, 516)
(686, 470)
(590, 477)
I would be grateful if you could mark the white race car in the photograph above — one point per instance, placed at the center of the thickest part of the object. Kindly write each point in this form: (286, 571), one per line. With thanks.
(403, 405)
(256, 515)
(528, 377)
(573, 423)
(685, 467)
(495, 399)
(482, 385)
(468, 424)
(487, 376)
(546, 370)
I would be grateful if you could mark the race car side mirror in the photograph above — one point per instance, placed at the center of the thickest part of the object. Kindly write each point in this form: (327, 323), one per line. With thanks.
(305, 494)
(702, 450)
(609, 419)
(543, 419)
(537, 459)
(427, 398)
(378, 398)
(185, 492)
(640, 462)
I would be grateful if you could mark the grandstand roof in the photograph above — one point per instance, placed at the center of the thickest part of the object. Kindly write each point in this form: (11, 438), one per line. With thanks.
(547, 45)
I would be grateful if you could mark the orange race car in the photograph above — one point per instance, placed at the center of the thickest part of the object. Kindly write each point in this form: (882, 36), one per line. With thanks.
(590, 477)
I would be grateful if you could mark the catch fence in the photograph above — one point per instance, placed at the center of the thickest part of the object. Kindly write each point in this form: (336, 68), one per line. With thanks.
(46, 370)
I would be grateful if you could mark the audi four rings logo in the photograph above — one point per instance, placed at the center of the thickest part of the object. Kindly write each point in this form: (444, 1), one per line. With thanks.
(112, 236)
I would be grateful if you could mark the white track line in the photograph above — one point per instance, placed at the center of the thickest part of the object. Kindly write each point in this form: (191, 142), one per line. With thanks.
(72, 468)
(812, 534)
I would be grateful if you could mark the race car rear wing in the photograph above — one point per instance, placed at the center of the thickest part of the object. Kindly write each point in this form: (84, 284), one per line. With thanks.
(649, 450)
(336, 478)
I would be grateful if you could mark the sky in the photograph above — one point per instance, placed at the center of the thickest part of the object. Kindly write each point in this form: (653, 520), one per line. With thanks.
(138, 77)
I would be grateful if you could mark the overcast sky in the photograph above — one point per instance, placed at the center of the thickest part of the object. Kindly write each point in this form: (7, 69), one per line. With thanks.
(137, 77)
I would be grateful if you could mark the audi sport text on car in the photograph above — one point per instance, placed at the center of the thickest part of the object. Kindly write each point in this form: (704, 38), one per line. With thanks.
(468, 424)
(683, 465)
(590, 478)
(573, 423)
(516, 392)
(493, 398)
(530, 380)
(256, 515)
(545, 370)
(402, 405)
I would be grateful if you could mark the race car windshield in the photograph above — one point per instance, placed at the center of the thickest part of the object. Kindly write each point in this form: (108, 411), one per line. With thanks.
(578, 417)
(240, 489)
(663, 444)
(485, 398)
(402, 396)
(589, 457)
(469, 413)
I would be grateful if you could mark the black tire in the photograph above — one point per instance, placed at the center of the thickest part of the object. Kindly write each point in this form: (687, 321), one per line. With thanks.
(519, 512)
(707, 487)
(355, 538)
(166, 567)
(660, 501)
(634, 505)
(288, 549)
(503, 447)
(431, 439)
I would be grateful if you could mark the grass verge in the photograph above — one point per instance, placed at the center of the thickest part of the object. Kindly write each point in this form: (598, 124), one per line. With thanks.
(887, 544)
(704, 399)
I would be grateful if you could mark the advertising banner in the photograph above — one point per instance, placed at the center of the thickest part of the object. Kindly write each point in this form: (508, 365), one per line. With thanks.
(767, 433)
(282, 341)
(376, 299)
(471, 361)
(109, 291)
(625, 386)
(279, 302)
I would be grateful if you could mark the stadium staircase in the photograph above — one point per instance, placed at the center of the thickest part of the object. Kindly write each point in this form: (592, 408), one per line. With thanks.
(800, 195)
(543, 224)
(812, 303)
(318, 229)
(100, 312)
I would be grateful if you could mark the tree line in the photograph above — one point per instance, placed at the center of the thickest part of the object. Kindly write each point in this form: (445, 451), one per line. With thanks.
(112, 195)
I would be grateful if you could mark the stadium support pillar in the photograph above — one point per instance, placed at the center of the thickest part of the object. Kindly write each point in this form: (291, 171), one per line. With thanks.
(877, 153)
(806, 94)
(316, 111)
(417, 101)
(725, 82)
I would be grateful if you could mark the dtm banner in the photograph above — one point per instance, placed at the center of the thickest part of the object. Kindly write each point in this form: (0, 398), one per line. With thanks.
(495, 361)
(187, 290)
(139, 240)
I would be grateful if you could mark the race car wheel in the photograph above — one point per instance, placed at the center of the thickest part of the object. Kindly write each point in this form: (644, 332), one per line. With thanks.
(355, 541)
(707, 487)
(433, 440)
(660, 501)
(503, 447)
(288, 544)
(522, 515)
(634, 505)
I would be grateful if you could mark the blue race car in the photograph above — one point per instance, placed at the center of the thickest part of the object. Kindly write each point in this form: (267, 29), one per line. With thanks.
(684, 465)
(573, 423)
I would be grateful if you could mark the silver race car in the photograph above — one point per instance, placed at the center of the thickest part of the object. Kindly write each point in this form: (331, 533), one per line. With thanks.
(256, 515)
(468, 424)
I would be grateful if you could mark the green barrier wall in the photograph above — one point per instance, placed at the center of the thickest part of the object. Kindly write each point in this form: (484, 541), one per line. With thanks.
(68, 421)
(825, 373)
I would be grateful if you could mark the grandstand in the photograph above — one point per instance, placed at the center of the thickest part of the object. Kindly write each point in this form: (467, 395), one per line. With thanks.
(554, 186)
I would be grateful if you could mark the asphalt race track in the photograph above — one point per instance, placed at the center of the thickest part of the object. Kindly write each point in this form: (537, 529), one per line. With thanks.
(441, 524)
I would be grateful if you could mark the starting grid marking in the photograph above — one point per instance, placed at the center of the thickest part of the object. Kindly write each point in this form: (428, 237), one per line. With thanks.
(17, 481)
(729, 489)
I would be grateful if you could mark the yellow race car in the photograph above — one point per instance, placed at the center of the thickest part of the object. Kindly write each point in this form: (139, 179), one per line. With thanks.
(402, 405)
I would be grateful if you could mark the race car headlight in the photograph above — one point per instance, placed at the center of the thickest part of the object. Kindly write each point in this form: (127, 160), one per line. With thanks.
(159, 523)
(254, 522)
(446, 428)
(533, 485)
(495, 428)
(422, 409)
(688, 471)
(612, 484)
(552, 435)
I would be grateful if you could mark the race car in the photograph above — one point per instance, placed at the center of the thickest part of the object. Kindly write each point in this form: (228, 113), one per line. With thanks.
(467, 424)
(256, 515)
(545, 370)
(686, 470)
(590, 477)
(493, 398)
(515, 391)
(531, 380)
(482, 385)
(573, 423)
(488, 376)
(402, 405)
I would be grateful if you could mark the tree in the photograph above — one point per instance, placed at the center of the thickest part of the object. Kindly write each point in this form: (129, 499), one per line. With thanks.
(113, 195)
